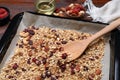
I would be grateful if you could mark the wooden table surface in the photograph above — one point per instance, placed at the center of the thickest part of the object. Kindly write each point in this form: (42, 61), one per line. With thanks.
(17, 6)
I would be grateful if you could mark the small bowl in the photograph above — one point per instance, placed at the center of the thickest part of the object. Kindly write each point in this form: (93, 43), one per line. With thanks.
(6, 18)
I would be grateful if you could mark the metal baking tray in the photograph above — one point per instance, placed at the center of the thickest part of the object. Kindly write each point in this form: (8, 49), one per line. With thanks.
(114, 70)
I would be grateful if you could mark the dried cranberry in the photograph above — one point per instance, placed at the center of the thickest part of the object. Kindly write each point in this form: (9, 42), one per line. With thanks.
(10, 77)
(72, 66)
(64, 55)
(44, 60)
(63, 67)
(63, 42)
(20, 46)
(31, 32)
(59, 63)
(15, 66)
(28, 61)
(30, 42)
(48, 73)
(34, 60)
(38, 62)
(72, 71)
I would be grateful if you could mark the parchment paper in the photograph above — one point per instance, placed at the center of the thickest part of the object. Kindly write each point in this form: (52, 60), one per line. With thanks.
(38, 20)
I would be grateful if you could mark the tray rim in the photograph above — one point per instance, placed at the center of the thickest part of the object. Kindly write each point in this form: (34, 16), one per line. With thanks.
(12, 29)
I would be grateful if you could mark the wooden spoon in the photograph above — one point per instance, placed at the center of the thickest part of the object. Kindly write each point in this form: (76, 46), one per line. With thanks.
(75, 48)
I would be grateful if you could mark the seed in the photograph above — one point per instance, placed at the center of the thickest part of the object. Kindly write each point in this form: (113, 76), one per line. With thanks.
(15, 66)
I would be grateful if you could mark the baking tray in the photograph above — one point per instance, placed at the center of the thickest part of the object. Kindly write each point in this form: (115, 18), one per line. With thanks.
(114, 43)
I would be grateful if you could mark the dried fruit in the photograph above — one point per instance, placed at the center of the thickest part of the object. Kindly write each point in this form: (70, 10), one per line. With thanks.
(15, 66)
(72, 71)
(63, 67)
(64, 55)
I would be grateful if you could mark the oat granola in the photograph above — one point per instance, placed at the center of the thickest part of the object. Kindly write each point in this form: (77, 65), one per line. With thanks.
(37, 57)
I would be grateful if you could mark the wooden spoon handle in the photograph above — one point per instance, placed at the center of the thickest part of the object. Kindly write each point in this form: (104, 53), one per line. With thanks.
(105, 30)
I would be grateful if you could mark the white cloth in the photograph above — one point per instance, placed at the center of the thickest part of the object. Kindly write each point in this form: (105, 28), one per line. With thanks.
(105, 14)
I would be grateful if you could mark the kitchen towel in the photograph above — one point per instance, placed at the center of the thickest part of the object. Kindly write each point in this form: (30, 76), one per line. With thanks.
(105, 14)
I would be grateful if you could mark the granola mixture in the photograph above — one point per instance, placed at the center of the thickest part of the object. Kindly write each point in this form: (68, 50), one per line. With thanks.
(37, 57)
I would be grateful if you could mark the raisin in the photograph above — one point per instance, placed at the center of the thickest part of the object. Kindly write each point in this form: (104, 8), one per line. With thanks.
(15, 66)
(64, 55)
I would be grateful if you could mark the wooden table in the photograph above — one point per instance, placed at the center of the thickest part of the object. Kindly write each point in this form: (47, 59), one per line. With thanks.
(17, 6)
